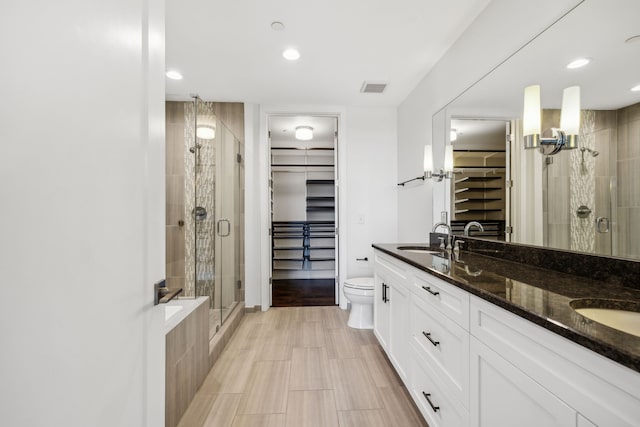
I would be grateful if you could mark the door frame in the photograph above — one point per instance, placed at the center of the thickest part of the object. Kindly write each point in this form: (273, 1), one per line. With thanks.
(264, 175)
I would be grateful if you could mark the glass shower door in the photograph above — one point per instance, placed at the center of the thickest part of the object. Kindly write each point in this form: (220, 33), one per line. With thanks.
(580, 191)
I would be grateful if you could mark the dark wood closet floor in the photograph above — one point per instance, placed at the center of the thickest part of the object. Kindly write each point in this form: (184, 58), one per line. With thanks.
(302, 292)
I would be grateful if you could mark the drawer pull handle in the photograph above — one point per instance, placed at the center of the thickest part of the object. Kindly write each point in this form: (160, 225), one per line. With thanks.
(428, 289)
(426, 396)
(428, 335)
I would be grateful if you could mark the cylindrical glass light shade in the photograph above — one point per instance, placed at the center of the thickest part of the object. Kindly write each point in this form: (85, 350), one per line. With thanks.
(531, 122)
(428, 160)
(570, 115)
(448, 158)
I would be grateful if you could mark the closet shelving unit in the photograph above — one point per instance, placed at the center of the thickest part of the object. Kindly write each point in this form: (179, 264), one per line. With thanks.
(304, 247)
(478, 190)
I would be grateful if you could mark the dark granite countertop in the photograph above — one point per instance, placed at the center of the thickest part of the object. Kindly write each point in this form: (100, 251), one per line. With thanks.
(539, 295)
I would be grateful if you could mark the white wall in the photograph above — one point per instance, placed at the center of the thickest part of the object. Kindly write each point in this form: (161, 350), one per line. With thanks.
(82, 218)
(502, 28)
(371, 184)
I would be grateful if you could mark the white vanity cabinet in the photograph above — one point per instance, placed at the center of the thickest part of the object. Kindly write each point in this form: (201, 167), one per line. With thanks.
(391, 310)
(439, 322)
(521, 366)
(469, 363)
(508, 397)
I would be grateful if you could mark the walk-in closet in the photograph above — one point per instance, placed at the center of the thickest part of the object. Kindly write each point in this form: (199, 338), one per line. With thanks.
(303, 210)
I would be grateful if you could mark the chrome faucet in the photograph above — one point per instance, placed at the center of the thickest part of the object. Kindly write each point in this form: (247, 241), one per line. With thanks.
(472, 224)
(443, 224)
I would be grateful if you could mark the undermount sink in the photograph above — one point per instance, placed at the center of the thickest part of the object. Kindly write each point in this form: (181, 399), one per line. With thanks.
(419, 250)
(617, 314)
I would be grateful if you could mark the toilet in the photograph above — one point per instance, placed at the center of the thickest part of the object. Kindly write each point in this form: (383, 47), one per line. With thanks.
(359, 292)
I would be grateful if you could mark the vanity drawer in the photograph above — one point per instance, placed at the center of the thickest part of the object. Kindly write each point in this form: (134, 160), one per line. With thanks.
(446, 298)
(394, 270)
(444, 344)
(436, 405)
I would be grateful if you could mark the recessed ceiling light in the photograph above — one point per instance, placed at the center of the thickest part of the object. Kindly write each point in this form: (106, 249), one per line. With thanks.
(580, 62)
(636, 88)
(291, 54)
(277, 26)
(174, 75)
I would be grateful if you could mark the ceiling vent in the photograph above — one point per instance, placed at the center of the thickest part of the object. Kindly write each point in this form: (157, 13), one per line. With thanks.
(371, 87)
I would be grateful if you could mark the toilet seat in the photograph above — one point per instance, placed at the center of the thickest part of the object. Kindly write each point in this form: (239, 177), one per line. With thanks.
(362, 283)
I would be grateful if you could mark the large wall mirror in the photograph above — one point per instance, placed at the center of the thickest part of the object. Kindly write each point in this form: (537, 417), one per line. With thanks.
(585, 199)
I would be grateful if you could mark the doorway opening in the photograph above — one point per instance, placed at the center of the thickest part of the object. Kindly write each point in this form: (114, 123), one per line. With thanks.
(304, 210)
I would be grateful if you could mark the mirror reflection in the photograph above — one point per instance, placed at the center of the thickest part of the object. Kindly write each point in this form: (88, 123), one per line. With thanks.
(584, 199)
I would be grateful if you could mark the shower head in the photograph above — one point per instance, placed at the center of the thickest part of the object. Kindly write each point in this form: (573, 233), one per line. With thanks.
(593, 153)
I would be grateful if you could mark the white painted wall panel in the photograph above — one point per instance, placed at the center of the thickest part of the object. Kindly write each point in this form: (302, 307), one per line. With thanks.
(82, 218)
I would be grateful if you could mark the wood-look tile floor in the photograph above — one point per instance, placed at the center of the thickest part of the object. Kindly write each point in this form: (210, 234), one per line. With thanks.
(299, 367)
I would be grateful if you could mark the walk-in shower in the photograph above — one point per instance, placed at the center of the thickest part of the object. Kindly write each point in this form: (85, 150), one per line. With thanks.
(581, 189)
(204, 205)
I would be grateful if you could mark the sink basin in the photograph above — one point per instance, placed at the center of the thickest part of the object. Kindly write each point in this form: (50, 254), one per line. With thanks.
(617, 314)
(419, 250)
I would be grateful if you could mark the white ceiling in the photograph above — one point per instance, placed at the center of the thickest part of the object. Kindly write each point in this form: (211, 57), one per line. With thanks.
(227, 51)
(596, 29)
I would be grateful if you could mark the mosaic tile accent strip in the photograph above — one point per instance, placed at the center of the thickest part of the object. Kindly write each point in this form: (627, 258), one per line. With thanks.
(583, 186)
(199, 203)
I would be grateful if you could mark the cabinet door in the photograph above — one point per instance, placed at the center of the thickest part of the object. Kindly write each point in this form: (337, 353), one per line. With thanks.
(381, 311)
(400, 333)
(503, 396)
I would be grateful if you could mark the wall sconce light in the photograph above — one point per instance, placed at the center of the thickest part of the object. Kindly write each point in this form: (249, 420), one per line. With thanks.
(439, 175)
(304, 133)
(566, 136)
(429, 172)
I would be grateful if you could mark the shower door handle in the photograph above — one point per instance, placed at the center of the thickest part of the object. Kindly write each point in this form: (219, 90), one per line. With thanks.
(220, 221)
(602, 224)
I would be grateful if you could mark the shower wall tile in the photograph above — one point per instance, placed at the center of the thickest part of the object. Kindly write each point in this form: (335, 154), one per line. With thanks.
(622, 230)
(175, 251)
(623, 140)
(633, 137)
(559, 236)
(232, 115)
(175, 282)
(624, 189)
(175, 199)
(175, 149)
(605, 119)
(633, 246)
(602, 206)
(634, 179)
(559, 208)
(602, 144)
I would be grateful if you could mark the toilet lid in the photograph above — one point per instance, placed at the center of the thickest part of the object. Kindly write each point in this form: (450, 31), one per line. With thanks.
(359, 283)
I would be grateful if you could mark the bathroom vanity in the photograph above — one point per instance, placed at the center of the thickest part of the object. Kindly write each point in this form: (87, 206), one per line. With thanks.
(485, 341)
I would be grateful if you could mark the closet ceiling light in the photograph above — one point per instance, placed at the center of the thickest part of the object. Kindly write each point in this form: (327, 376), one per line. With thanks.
(635, 88)
(580, 62)
(277, 26)
(291, 54)
(174, 75)
(304, 133)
